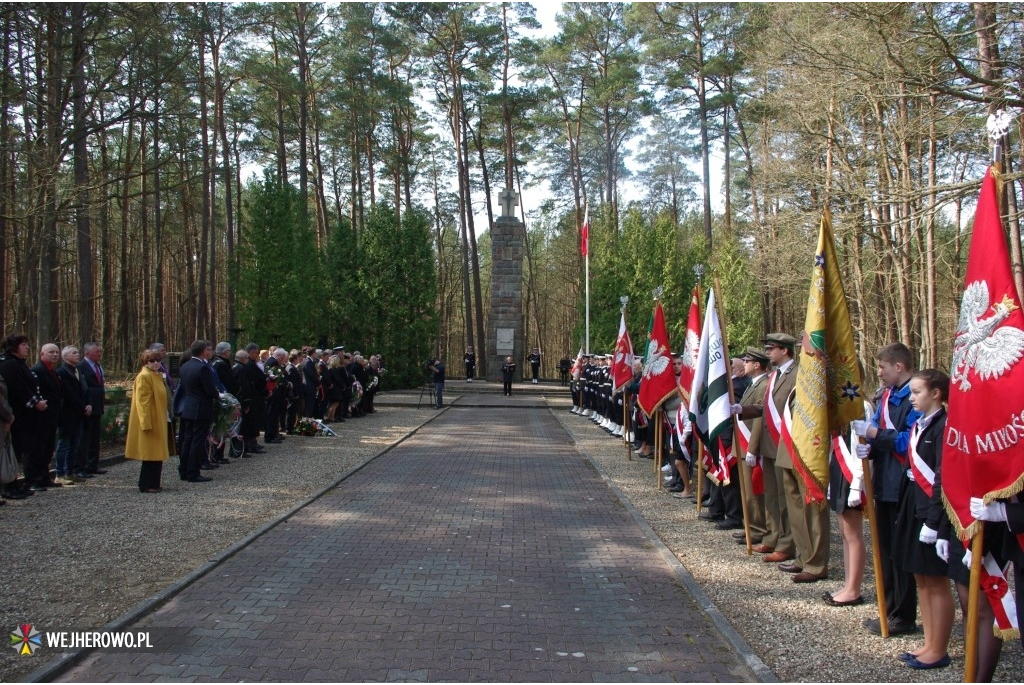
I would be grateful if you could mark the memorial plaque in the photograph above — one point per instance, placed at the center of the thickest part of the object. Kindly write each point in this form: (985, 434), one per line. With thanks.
(505, 339)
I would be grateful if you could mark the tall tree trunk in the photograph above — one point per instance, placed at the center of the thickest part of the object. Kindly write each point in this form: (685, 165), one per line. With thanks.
(83, 230)
(702, 113)
(990, 67)
(474, 252)
(302, 45)
(202, 307)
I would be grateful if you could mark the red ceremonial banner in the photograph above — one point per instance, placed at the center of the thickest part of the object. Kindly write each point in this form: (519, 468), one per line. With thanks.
(659, 380)
(690, 348)
(622, 362)
(983, 451)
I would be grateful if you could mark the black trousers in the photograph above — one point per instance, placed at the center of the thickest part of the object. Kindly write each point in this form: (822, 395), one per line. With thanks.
(194, 435)
(506, 386)
(149, 475)
(273, 425)
(88, 458)
(900, 588)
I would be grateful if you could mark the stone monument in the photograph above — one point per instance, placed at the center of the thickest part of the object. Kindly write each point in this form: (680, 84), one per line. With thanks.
(505, 314)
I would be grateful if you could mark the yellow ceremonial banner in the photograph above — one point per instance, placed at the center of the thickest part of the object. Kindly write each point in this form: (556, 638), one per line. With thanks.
(828, 382)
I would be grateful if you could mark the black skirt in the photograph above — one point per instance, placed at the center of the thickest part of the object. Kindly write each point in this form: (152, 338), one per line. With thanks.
(995, 542)
(912, 555)
(838, 488)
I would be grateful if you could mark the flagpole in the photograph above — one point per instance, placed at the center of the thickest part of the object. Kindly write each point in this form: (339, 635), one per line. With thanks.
(586, 257)
(973, 597)
(659, 428)
(876, 552)
(744, 496)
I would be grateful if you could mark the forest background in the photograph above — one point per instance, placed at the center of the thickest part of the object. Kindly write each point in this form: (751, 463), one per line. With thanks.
(384, 131)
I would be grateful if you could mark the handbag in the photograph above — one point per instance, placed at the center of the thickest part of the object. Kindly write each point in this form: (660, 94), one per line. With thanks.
(8, 462)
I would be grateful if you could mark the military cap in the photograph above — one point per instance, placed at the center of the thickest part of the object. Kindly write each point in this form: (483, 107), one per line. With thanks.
(753, 354)
(780, 340)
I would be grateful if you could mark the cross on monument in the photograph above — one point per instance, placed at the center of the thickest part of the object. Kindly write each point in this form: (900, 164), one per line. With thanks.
(508, 199)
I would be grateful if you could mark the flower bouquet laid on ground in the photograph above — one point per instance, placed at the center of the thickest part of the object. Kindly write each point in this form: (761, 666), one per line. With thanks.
(312, 428)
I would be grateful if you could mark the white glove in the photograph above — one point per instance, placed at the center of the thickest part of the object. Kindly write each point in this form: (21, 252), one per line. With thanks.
(942, 549)
(860, 427)
(863, 450)
(736, 409)
(910, 475)
(750, 459)
(996, 511)
(854, 499)
(928, 536)
(620, 401)
(967, 558)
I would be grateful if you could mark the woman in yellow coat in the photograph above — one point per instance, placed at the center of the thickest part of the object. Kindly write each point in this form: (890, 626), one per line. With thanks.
(148, 423)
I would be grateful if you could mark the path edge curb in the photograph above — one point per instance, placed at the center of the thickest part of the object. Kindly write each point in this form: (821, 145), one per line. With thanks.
(66, 660)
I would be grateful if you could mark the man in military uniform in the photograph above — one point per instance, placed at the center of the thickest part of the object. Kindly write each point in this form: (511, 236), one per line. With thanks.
(534, 359)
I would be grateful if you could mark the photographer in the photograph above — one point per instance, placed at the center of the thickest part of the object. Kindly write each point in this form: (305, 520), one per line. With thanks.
(436, 367)
(508, 371)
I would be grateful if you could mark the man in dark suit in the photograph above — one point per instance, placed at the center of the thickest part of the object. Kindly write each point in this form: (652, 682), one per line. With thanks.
(88, 462)
(50, 388)
(248, 387)
(222, 367)
(322, 371)
(275, 366)
(197, 392)
(73, 413)
(312, 387)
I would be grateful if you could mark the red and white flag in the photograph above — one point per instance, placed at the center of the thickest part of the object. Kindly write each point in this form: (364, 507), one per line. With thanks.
(658, 381)
(577, 365)
(690, 348)
(622, 361)
(983, 451)
(585, 234)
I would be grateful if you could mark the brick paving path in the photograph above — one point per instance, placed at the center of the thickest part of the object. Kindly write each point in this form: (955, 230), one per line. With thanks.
(484, 548)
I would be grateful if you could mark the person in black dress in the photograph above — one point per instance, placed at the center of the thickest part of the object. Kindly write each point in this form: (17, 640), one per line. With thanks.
(920, 518)
(508, 370)
(470, 361)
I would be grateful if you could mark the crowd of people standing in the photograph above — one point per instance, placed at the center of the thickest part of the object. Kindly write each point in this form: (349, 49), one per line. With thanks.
(51, 412)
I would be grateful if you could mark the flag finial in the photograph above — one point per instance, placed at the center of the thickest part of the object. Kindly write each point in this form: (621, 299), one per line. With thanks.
(625, 301)
(657, 292)
(998, 124)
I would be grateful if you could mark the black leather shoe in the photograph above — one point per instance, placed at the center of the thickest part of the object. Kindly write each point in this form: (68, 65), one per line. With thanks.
(678, 487)
(13, 495)
(728, 524)
(897, 626)
(98, 472)
(199, 479)
(705, 516)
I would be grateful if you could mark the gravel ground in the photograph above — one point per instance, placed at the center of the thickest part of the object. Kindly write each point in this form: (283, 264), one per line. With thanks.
(788, 626)
(81, 556)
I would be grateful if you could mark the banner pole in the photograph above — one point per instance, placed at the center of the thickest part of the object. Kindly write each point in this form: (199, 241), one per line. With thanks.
(658, 428)
(973, 597)
(700, 474)
(876, 553)
(720, 306)
(626, 426)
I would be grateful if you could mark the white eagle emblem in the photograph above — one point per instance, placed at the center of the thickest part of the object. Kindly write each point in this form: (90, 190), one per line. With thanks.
(979, 343)
(692, 349)
(656, 361)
